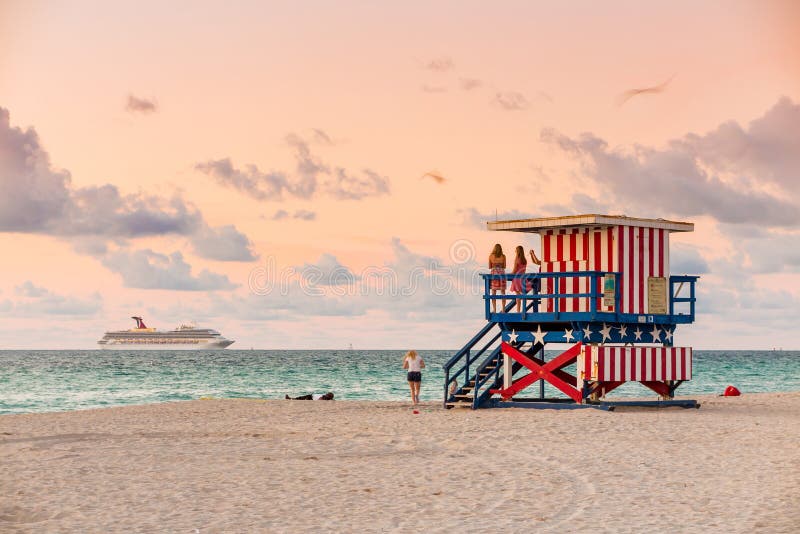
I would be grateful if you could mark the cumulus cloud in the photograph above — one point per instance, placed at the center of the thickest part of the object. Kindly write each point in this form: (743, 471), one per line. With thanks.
(311, 176)
(406, 285)
(249, 180)
(145, 269)
(685, 259)
(32, 193)
(346, 186)
(511, 101)
(327, 271)
(722, 174)
(223, 243)
(35, 301)
(768, 148)
(35, 198)
(478, 219)
(303, 215)
(140, 105)
(27, 289)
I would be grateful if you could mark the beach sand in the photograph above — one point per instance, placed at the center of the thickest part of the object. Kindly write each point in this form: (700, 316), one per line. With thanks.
(294, 466)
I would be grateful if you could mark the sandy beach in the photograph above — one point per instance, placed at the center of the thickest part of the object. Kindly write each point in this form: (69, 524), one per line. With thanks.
(292, 466)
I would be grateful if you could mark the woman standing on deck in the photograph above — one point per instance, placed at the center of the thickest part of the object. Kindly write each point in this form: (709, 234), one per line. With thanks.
(497, 264)
(520, 264)
(415, 364)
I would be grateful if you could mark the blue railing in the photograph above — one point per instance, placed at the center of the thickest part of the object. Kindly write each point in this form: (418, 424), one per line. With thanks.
(674, 299)
(466, 358)
(548, 306)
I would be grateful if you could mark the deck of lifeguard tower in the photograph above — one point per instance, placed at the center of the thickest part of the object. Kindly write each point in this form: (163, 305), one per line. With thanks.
(604, 288)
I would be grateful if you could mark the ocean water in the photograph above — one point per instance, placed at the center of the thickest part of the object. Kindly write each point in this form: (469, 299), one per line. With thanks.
(44, 381)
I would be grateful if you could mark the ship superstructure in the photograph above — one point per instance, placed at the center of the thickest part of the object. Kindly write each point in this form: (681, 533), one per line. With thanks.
(183, 337)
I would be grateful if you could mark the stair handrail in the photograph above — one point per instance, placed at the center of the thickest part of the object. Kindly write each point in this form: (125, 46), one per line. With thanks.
(466, 351)
(477, 397)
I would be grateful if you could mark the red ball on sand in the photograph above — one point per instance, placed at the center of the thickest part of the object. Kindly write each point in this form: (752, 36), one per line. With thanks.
(731, 391)
(415, 411)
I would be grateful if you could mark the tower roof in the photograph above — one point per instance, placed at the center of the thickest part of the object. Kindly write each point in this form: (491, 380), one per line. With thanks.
(576, 221)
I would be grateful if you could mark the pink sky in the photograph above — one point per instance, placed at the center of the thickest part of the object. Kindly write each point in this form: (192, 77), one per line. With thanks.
(155, 159)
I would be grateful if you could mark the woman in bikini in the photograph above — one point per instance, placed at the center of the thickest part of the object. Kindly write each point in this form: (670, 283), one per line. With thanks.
(497, 264)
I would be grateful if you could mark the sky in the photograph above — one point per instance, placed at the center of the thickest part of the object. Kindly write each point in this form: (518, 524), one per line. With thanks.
(319, 174)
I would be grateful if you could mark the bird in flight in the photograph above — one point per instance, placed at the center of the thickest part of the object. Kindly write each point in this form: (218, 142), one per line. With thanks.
(627, 95)
(436, 176)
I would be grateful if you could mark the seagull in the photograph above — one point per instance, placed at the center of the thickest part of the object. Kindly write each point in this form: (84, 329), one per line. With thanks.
(436, 176)
(627, 95)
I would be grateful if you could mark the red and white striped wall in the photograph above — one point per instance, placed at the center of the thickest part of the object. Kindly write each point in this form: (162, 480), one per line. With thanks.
(636, 252)
(643, 252)
(572, 284)
(639, 364)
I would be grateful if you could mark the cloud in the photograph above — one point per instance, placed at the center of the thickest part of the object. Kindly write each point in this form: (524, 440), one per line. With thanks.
(250, 180)
(468, 84)
(36, 301)
(223, 243)
(145, 269)
(724, 174)
(140, 105)
(32, 193)
(305, 215)
(346, 186)
(685, 259)
(511, 101)
(473, 217)
(311, 176)
(407, 285)
(35, 198)
(442, 64)
(769, 148)
(102, 210)
(327, 271)
(27, 289)
(308, 167)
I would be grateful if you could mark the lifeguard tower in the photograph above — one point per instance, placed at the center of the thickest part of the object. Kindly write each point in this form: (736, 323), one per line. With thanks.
(605, 291)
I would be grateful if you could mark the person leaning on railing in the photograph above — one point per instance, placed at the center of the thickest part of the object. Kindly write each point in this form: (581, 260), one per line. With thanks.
(537, 283)
(497, 264)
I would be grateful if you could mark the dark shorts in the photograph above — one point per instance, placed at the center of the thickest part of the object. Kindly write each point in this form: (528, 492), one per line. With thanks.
(414, 376)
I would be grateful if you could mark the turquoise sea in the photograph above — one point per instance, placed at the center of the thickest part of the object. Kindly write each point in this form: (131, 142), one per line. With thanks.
(44, 381)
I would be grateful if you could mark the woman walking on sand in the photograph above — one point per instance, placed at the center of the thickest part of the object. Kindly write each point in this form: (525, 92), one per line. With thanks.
(415, 364)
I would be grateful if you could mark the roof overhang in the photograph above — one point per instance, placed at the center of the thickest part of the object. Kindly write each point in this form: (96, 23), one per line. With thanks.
(576, 221)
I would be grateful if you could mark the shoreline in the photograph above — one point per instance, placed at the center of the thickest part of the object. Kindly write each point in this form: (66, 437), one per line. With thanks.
(260, 464)
(701, 399)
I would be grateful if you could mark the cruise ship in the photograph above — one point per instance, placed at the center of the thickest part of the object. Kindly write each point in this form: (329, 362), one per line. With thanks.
(183, 337)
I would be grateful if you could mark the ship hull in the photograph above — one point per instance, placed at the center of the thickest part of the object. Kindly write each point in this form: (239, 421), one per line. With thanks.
(212, 345)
